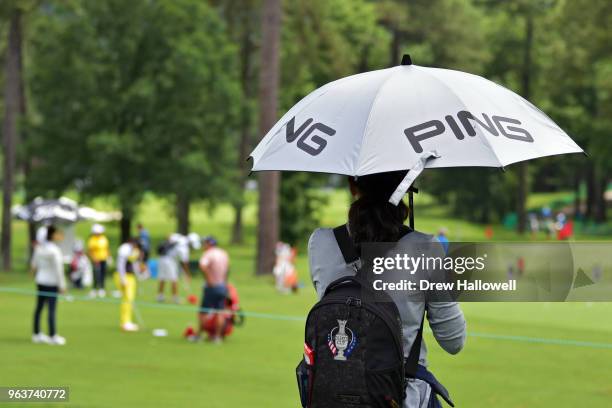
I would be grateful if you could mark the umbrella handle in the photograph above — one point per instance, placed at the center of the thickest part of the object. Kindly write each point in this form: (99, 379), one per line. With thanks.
(412, 174)
(411, 209)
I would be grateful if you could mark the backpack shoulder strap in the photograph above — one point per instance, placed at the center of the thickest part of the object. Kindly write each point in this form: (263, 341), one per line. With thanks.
(412, 361)
(347, 247)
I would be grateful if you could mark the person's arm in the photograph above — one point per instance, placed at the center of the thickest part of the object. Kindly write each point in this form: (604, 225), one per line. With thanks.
(312, 264)
(59, 269)
(204, 265)
(34, 263)
(90, 248)
(446, 319)
(448, 325)
(184, 257)
(106, 246)
(185, 266)
(122, 258)
(207, 275)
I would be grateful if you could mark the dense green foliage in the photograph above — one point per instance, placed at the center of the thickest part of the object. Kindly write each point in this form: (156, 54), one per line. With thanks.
(127, 100)
(128, 97)
(137, 103)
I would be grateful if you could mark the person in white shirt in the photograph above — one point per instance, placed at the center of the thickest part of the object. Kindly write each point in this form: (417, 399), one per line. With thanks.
(48, 267)
(174, 254)
(81, 271)
(128, 265)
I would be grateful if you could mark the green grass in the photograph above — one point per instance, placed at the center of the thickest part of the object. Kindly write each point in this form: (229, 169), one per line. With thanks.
(506, 362)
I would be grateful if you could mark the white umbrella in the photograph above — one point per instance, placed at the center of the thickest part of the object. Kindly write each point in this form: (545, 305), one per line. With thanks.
(47, 210)
(63, 210)
(409, 118)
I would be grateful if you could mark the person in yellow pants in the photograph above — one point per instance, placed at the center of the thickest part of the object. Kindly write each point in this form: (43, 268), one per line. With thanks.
(128, 263)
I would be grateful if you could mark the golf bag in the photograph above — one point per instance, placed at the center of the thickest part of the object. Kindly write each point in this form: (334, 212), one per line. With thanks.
(232, 314)
(165, 247)
(353, 350)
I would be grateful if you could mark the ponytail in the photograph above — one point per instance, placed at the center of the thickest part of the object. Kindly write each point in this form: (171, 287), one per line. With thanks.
(372, 218)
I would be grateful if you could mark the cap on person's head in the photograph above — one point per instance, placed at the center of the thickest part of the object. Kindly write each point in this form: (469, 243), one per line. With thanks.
(78, 246)
(194, 240)
(41, 235)
(174, 238)
(97, 229)
(210, 240)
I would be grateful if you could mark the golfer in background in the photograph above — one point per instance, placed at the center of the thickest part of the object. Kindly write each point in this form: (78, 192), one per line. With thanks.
(48, 267)
(173, 256)
(214, 264)
(128, 264)
(371, 218)
(99, 252)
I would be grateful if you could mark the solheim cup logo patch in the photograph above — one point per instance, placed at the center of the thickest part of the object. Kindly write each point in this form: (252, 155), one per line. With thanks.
(341, 341)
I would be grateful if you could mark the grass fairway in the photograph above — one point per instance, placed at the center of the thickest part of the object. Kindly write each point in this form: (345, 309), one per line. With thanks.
(517, 355)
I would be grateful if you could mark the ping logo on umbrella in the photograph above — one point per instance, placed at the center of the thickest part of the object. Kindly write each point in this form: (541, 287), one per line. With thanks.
(495, 125)
(313, 145)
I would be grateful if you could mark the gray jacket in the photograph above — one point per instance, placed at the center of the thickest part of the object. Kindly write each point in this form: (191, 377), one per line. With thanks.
(445, 318)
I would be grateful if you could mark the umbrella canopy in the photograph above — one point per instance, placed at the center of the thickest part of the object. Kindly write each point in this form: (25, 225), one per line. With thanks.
(409, 118)
(62, 210)
(48, 210)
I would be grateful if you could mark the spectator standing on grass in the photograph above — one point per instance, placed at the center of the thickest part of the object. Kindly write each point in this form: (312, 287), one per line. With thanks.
(144, 240)
(371, 218)
(80, 267)
(549, 224)
(284, 270)
(48, 267)
(534, 224)
(214, 264)
(442, 238)
(128, 265)
(173, 256)
(99, 253)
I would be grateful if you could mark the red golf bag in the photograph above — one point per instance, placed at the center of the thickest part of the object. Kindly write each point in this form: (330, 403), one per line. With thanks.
(232, 314)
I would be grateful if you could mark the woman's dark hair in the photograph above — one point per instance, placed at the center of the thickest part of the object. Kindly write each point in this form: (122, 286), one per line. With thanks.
(372, 218)
(50, 232)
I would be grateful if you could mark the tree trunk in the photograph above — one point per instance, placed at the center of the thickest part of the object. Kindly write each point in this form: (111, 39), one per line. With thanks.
(125, 226)
(394, 50)
(577, 205)
(182, 214)
(364, 57)
(246, 52)
(12, 108)
(521, 197)
(31, 239)
(237, 233)
(27, 160)
(590, 198)
(523, 181)
(601, 184)
(267, 234)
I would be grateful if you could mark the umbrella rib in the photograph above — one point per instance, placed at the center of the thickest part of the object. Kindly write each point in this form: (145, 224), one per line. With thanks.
(367, 124)
(263, 143)
(477, 129)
